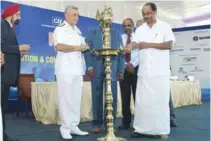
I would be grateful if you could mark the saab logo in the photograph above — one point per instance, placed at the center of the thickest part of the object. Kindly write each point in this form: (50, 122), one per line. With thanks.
(56, 20)
(196, 38)
(189, 59)
(195, 49)
(205, 37)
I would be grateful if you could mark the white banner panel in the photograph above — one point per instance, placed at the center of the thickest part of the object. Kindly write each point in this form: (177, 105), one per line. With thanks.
(190, 55)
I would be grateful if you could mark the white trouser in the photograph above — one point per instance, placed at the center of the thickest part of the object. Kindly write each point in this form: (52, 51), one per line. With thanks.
(69, 99)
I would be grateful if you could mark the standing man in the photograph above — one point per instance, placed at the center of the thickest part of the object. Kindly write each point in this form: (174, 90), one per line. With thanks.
(69, 72)
(130, 74)
(12, 54)
(154, 39)
(96, 71)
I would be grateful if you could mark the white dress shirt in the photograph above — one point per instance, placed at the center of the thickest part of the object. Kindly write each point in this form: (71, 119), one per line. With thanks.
(134, 53)
(69, 62)
(154, 61)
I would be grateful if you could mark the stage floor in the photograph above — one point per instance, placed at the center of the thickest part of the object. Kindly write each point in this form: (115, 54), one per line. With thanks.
(194, 125)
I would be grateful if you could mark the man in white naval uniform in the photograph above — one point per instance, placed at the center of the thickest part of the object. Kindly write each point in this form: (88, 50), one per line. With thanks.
(154, 39)
(69, 72)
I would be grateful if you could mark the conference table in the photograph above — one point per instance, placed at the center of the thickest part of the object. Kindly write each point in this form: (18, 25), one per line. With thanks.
(45, 107)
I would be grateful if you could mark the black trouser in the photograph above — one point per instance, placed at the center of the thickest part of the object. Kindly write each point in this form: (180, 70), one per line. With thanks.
(4, 102)
(171, 106)
(128, 83)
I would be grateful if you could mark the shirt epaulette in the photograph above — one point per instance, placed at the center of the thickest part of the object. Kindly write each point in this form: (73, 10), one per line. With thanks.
(62, 24)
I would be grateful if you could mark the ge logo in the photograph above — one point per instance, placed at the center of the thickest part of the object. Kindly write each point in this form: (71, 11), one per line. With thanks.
(195, 38)
(56, 20)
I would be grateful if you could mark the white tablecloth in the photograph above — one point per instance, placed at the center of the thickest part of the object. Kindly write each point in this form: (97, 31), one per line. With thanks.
(44, 99)
(185, 93)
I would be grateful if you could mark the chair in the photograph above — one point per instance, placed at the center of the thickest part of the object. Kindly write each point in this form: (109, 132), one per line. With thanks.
(24, 91)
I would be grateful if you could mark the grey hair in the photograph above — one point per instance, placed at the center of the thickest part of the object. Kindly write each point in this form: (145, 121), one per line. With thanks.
(141, 20)
(68, 8)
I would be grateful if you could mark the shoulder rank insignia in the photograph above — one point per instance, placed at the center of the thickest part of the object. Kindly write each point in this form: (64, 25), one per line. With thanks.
(61, 24)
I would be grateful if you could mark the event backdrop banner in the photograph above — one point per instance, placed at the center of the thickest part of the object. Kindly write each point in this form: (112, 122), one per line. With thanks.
(35, 29)
(191, 55)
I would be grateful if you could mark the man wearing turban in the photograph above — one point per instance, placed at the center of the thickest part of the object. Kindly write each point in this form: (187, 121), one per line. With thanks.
(10, 70)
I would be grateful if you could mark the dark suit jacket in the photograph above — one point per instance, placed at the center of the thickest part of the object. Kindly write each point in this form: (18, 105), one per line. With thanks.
(94, 39)
(9, 46)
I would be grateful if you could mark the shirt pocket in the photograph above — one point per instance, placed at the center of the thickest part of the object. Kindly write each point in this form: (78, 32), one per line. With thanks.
(157, 37)
(72, 38)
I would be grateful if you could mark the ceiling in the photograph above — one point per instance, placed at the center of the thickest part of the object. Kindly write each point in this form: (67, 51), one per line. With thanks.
(172, 12)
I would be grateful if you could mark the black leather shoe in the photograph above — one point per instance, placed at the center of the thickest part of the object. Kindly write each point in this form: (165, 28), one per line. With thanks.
(136, 135)
(122, 127)
(6, 138)
(173, 123)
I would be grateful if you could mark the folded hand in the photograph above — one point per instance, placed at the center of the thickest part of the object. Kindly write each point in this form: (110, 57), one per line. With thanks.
(127, 49)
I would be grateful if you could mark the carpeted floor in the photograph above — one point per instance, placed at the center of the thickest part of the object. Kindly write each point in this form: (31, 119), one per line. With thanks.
(194, 125)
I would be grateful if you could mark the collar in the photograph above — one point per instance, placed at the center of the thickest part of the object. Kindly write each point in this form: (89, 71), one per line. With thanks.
(68, 25)
(11, 25)
(74, 28)
(156, 23)
(132, 34)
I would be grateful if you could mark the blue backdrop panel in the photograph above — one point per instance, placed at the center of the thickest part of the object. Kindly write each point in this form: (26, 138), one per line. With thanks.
(34, 29)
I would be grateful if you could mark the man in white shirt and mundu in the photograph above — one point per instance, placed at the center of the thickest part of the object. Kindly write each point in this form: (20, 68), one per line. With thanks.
(69, 45)
(154, 39)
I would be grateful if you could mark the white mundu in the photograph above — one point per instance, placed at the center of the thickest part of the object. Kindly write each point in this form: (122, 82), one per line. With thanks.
(153, 87)
(69, 72)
